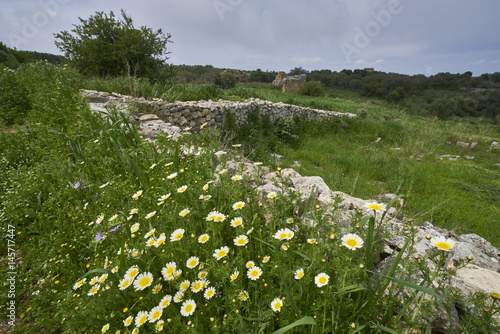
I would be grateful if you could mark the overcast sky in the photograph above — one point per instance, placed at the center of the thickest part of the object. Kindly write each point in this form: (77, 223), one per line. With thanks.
(403, 36)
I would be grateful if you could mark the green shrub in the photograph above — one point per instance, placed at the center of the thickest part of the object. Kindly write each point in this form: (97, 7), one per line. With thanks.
(14, 101)
(226, 80)
(312, 88)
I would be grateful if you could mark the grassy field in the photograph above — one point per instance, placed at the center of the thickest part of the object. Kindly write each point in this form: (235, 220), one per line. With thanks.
(388, 150)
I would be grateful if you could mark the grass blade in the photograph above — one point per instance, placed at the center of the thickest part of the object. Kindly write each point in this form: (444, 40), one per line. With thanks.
(307, 320)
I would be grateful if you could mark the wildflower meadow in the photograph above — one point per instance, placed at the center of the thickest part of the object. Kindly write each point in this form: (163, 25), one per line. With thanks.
(118, 234)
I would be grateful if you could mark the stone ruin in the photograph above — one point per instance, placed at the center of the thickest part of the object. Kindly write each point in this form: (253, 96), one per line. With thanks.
(239, 75)
(290, 84)
(172, 116)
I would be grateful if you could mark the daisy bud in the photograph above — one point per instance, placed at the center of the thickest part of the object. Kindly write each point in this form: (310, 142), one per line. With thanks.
(353, 325)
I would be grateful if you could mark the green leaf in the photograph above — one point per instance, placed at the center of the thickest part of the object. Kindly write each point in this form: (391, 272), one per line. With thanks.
(264, 242)
(307, 320)
(352, 288)
(387, 329)
(359, 328)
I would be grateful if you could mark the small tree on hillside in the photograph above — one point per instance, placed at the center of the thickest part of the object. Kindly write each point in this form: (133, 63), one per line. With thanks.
(104, 45)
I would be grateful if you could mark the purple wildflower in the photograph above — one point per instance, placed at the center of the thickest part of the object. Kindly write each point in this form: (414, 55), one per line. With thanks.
(99, 236)
(76, 185)
(96, 195)
(114, 229)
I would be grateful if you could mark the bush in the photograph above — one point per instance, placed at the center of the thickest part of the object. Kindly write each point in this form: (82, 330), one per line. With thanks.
(312, 88)
(396, 95)
(14, 102)
(226, 81)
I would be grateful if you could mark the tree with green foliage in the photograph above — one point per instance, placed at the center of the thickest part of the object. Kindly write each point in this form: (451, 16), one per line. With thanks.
(12, 58)
(104, 45)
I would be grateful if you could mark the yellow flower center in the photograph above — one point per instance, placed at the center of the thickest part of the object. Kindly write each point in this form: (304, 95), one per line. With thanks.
(221, 253)
(277, 306)
(243, 296)
(178, 236)
(351, 242)
(128, 321)
(254, 273)
(210, 293)
(160, 326)
(375, 207)
(197, 286)
(300, 274)
(125, 283)
(193, 263)
(156, 315)
(188, 308)
(133, 273)
(143, 319)
(184, 286)
(144, 281)
(240, 241)
(442, 245)
(283, 235)
(322, 280)
(236, 223)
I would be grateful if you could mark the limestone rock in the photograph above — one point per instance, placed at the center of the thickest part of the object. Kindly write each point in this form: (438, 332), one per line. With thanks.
(286, 173)
(305, 186)
(472, 279)
(290, 84)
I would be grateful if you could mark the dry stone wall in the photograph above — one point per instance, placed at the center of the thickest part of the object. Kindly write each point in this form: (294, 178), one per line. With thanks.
(193, 114)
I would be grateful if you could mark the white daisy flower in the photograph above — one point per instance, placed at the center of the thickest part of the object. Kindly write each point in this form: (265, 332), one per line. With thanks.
(188, 308)
(143, 281)
(241, 240)
(254, 273)
(221, 252)
(321, 280)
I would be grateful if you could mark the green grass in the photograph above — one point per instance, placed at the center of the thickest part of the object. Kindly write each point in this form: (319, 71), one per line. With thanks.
(69, 176)
(462, 195)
